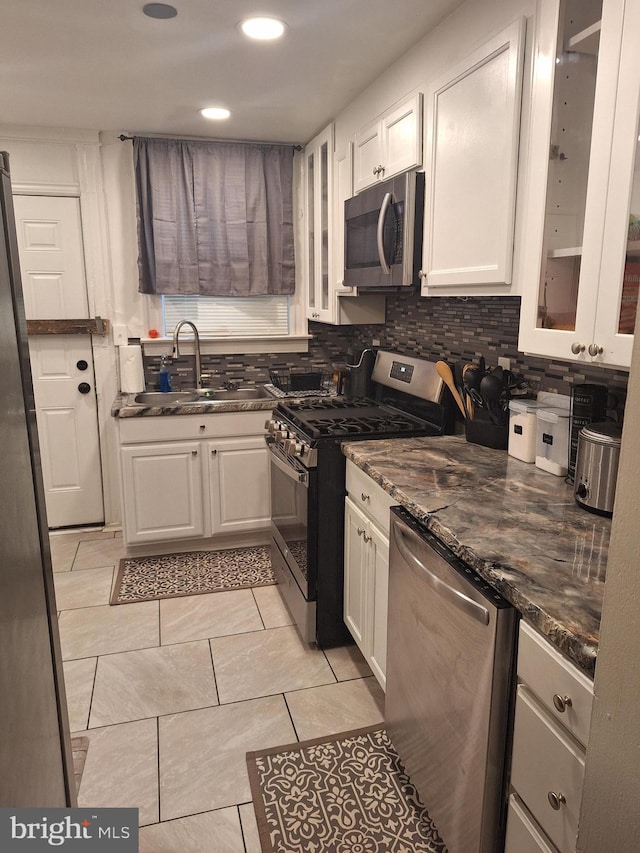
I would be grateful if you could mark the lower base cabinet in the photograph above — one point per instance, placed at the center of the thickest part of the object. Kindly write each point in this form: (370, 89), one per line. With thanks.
(551, 727)
(366, 568)
(215, 484)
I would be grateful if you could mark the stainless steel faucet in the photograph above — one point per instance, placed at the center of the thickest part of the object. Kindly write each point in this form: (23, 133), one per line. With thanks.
(196, 348)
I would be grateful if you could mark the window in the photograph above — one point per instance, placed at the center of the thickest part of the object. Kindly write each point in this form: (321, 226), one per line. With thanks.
(228, 317)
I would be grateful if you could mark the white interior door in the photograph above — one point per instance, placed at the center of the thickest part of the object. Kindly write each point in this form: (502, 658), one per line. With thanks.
(64, 388)
(53, 280)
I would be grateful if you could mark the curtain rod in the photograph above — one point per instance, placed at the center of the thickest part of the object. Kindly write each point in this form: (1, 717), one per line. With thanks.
(124, 138)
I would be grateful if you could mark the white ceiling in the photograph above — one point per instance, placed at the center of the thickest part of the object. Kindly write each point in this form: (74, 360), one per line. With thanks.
(104, 65)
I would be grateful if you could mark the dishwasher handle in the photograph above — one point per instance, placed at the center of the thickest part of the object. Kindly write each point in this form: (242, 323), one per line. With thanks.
(476, 611)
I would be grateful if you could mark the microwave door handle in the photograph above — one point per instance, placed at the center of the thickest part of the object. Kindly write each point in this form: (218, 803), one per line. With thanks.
(386, 201)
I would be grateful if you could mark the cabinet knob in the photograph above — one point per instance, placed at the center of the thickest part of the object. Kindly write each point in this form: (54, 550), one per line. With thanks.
(594, 349)
(366, 538)
(365, 497)
(577, 347)
(561, 703)
(194, 452)
(422, 274)
(556, 800)
(213, 452)
(360, 531)
(202, 427)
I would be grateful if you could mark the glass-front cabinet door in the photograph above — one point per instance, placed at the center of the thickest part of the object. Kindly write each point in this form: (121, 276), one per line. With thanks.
(318, 182)
(572, 305)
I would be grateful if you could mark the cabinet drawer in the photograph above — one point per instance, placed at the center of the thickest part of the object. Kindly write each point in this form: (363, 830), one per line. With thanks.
(554, 680)
(547, 761)
(176, 427)
(523, 833)
(369, 496)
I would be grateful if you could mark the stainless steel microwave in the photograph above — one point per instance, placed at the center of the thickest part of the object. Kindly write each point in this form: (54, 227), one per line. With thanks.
(383, 233)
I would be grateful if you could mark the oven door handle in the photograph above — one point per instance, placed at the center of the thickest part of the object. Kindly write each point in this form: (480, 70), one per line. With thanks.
(384, 207)
(295, 474)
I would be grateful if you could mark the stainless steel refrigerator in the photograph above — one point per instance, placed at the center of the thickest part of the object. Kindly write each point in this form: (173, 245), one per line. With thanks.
(36, 766)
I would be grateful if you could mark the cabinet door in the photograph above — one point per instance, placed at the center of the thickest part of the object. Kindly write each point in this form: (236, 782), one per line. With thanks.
(620, 272)
(318, 209)
(356, 581)
(402, 137)
(238, 484)
(368, 167)
(472, 135)
(523, 834)
(162, 492)
(378, 570)
(576, 74)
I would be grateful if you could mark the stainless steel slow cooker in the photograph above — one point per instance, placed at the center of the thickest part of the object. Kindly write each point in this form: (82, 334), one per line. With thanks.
(597, 466)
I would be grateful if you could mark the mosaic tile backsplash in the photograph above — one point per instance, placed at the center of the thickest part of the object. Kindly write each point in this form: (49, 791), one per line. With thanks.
(454, 329)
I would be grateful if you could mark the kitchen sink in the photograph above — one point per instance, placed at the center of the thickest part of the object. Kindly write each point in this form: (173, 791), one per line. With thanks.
(257, 392)
(168, 398)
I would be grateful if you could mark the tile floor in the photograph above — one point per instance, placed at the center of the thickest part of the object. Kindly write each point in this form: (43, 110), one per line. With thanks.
(173, 693)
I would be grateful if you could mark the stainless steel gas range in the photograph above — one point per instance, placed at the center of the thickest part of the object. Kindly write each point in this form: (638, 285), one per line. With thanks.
(304, 438)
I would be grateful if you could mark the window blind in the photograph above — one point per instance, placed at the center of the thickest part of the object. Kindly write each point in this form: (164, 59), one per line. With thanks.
(226, 317)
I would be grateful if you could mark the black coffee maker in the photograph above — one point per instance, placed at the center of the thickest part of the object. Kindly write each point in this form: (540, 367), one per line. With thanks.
(357, 379)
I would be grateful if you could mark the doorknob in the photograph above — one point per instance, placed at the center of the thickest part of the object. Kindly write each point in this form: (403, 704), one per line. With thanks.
(84, 387)
(82, 364)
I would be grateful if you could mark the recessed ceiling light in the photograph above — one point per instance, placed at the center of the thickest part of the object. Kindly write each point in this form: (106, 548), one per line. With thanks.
(262, 28)
(215, 112)
(162, 11)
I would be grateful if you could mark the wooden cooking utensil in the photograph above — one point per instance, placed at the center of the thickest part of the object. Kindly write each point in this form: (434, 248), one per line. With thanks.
(444, 372)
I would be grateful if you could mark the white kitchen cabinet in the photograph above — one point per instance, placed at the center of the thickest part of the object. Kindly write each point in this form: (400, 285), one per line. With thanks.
(472, 123)
(328, 183)
(238, 484)
(192, 477)
(162, 492)
(366, 567)
(581, 250)
(389, 145)
(552, 717)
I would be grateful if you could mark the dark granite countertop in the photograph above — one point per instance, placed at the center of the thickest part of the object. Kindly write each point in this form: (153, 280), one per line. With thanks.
(517, 526)
(122, 408)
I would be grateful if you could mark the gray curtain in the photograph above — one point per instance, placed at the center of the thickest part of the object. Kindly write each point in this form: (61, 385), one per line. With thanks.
(214, 218)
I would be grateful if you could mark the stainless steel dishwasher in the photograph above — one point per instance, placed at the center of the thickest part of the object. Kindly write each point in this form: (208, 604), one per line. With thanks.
(450, 670)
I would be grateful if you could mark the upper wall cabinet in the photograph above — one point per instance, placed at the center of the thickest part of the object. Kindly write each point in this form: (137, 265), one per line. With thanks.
(389, 145)
(582, 249)
(327, 184)
(472, 126)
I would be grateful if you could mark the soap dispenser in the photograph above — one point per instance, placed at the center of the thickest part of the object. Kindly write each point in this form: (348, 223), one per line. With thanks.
(165, 374)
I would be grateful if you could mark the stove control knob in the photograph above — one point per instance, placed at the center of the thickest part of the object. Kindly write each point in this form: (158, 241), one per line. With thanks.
(270, 425)
(281, 434)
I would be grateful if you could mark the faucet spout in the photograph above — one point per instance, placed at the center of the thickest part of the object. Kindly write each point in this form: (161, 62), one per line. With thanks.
(196, 348)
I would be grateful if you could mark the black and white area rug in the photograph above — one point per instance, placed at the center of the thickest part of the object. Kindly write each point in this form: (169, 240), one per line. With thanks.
(191, 573)
(347, 793)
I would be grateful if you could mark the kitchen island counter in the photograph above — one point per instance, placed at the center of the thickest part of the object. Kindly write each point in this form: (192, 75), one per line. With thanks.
(517, 526)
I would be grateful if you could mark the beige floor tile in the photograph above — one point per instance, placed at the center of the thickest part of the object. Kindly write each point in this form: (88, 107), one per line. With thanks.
(217, 614)
(203, 753)
(121, 769)
(85, 588)
(80, 535)
(347, 662)
(97, 553)
(266, 662)
(103, 630)
(336, 708)
(272, 608)
(78, 684)
(250, 829)
(152, 682)
(218, 832)
(63, 553)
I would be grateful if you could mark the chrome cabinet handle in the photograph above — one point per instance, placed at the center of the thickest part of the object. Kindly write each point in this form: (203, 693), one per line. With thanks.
(561, 703)
(365, 497)
(577, 347)
(556, 800)
(594, 349)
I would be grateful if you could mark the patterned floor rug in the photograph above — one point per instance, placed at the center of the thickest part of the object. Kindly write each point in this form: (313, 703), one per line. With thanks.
(191, 573)
(342, 794)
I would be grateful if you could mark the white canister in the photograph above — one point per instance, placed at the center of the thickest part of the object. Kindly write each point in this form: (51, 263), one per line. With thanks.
(552, 440)
(522, 429)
